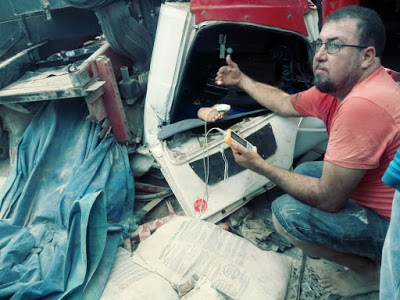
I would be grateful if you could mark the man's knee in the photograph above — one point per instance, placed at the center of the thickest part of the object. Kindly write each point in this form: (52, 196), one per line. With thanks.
(282, 213)
(310, 168)
(278, 226)
(290, 217)
(283, 232)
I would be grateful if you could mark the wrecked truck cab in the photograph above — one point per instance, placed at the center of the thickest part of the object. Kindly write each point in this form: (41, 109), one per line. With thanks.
(269, 40)
(271, 43)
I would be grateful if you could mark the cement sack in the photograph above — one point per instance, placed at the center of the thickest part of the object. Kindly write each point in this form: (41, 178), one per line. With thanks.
(186, 247)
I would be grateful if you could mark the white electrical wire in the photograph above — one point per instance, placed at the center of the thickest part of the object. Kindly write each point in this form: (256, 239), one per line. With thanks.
(225, 163)
(206, 157)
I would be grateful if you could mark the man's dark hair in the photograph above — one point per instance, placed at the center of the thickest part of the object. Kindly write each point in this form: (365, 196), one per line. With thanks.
(370, 26)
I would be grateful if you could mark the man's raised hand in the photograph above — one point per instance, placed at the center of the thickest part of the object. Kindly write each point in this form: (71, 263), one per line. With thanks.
(229, 74)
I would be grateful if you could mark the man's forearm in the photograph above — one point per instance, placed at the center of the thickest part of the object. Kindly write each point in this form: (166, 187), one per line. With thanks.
(268, 96)
(301, 187)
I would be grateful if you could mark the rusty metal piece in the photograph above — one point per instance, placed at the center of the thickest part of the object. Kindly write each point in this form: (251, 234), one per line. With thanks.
(112, 100)
(149, 188)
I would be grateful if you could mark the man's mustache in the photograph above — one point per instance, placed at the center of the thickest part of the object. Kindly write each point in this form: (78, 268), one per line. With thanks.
(319, 67)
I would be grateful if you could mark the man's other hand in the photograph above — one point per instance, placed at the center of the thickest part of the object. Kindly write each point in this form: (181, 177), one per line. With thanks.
(247, 158)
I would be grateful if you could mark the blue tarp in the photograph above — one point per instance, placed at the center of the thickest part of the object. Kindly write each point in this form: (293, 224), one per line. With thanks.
(63, 207)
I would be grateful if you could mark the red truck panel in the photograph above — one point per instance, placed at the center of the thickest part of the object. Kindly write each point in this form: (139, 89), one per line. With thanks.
(286, 14)
(328, 6)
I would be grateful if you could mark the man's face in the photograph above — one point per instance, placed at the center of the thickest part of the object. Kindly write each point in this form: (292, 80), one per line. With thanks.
(337, 73)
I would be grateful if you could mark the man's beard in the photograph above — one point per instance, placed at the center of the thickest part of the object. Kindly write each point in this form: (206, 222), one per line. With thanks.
(343, 87)
(324, 86)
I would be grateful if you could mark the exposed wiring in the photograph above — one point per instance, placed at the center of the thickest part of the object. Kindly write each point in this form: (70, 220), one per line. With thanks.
(225, 163)
(206, 157)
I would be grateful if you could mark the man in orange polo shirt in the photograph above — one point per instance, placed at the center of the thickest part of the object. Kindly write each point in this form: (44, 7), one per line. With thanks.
(337, 209)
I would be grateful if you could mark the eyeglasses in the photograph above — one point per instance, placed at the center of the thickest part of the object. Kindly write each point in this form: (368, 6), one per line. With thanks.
(332, 47)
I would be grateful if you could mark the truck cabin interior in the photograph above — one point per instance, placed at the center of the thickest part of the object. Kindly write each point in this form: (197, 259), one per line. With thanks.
(274, 56)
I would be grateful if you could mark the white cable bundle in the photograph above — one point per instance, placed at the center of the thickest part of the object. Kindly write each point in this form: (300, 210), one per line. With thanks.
(206, 162)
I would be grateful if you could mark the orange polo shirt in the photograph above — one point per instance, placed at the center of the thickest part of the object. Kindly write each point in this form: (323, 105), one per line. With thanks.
(364, 133)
